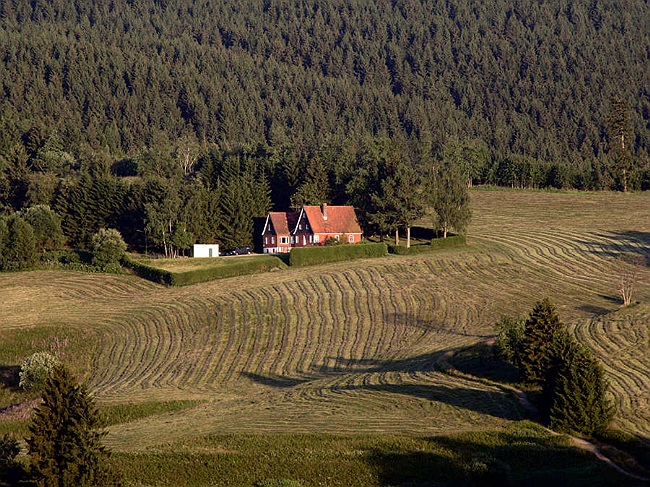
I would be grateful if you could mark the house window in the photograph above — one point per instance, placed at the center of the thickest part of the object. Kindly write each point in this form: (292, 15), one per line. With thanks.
(311, 239)
(300, 227)
(336, 237)
(272, 240)
(316, 238)
(266, 240)
(284, 240)
(351, 238)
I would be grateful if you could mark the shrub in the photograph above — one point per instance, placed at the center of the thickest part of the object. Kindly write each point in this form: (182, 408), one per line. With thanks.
(304, 256)
(435, 244)
(510, 339)
(484, 470)
(36, 369)
(11, 470)
(108, 248)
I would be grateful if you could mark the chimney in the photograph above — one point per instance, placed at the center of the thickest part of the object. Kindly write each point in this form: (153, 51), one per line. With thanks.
(323, 209)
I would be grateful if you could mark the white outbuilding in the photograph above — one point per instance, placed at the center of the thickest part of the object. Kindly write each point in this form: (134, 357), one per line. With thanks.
(205, 250)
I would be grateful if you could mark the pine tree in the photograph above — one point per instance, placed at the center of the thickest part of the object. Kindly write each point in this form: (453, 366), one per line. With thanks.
(65, 443)
(540, 327)
(574, 393)
(619, 128)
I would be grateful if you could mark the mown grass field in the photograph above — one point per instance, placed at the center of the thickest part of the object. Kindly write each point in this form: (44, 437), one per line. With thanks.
(348, 349)
(185, 264)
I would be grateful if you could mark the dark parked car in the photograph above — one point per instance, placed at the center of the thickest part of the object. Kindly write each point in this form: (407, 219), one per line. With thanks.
(239, 251)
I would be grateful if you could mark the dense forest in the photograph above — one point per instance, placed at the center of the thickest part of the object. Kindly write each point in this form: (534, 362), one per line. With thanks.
(180, 118)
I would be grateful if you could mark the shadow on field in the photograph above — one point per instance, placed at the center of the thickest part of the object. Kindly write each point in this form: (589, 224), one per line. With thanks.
(493, 459)
(630, 245)
(597, 310)
(275, 380)
(500, 404)
(10, 376)
(422, 324)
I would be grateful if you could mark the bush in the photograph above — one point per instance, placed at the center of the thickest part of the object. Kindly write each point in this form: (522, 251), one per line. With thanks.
(234, 268)
(484, 470)
(510, 339)
(11, 470)
(305, 256)
(36, 369)
(108, 248)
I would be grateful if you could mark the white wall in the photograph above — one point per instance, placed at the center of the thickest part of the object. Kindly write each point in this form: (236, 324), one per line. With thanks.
(203, 250)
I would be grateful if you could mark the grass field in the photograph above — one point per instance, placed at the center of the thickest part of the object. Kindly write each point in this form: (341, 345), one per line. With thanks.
(356, 348)
(184, 264)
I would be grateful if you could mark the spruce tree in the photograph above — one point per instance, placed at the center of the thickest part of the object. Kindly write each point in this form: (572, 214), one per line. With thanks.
(65, 443)
(540, 327)
(574, 393)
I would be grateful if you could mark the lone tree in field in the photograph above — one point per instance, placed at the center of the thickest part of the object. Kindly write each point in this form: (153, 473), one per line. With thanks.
(65, 443)
(629, 277)
(540, 327)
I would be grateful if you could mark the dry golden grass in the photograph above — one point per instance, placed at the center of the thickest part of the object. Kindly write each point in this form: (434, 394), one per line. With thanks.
(354, 347)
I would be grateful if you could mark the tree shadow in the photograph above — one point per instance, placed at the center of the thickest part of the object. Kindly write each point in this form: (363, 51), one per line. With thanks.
(520, 455)
(498, 403)
(630, 245)
(276, 381)
(594, 310)
(427, 325)
(482, 360)
(10, 376)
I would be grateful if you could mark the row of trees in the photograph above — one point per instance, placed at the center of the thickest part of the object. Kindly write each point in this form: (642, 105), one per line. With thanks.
(167, 202)
(574, 396)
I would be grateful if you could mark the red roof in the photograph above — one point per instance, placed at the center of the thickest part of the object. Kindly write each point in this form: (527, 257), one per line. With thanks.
(340, 219)
(283, 222)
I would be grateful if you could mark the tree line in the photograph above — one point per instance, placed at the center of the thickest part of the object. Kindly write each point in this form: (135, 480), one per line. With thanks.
(532, 81)
(164, 205)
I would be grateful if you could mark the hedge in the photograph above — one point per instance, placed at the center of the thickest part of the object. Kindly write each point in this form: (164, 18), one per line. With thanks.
(233, 268)
(159, 276)
(305, 256)
(435, 244)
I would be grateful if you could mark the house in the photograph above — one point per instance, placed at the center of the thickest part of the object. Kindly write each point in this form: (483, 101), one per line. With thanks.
(312, 225)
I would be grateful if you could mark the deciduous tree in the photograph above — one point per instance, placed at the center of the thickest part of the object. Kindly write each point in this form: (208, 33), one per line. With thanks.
(449, 199)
